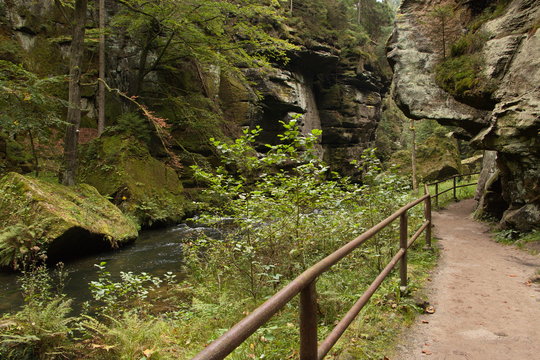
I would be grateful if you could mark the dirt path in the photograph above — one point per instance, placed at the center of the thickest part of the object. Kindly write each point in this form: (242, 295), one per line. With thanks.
(485, 308)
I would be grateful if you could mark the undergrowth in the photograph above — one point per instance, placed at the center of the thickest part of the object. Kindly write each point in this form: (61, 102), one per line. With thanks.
(517, 238)
(280, 212)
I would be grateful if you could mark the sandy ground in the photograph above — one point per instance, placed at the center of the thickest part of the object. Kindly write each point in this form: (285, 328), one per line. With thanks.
(485, 307)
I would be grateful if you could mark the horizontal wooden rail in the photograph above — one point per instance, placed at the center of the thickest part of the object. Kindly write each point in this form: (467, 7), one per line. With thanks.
(304, 285)
(454, 187)
(452, 177)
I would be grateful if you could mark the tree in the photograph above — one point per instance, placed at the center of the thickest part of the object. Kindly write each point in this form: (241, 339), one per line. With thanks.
(29, 107)
(444, 25)
(359, 11)
(67, 176)
(101, 85)
(222, 33)
(413, 156)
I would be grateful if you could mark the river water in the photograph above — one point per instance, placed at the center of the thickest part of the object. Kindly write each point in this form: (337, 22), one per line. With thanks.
(155, 252)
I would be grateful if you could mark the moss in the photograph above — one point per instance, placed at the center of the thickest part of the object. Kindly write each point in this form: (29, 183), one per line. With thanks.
(463, 78)
(140, 185)
(494, 10)
(13, 156)
(469, 43)
(45, 58)
(237, 99)
(331, 98)
(34, 213)
(10, 49)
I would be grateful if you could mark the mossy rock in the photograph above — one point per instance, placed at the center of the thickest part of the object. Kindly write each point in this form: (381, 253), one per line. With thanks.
(140, 185)
(13, 156)
(39, 217)
(437, 158)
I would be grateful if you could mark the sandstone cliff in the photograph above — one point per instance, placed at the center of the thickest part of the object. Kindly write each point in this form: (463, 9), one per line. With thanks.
(335, 91)
(505, 118)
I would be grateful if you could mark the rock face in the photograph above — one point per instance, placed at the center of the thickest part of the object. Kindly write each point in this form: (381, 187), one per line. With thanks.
(340, 98)
(511, 129)
(38, 217)
(338, 93)
(437, 158)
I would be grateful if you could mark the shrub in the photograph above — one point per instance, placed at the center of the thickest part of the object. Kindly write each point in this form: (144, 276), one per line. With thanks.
(38, 331)
(134, 125)
(469, 44)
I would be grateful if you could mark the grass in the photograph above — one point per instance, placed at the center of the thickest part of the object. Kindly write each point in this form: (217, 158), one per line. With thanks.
(521, 240)
(462, 193)
(376, 331)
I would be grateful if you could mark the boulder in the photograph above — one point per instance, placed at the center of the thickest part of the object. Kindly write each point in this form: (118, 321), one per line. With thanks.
(143, 187)
(40, 218)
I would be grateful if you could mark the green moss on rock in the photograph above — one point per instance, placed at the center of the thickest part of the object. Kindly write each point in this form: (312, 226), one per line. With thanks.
(140, 185)
(13, 156)
(35, 213)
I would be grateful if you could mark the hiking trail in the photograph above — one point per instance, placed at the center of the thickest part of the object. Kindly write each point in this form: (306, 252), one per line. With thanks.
(485, 305)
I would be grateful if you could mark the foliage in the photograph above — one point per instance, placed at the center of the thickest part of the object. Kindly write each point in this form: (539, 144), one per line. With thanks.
(519, 239)
(130, 336)
(469, 43)
(328, 21)
(466, 192)
(225, 33)
(28, 106)
(492, 11)
(283, 204)
(130, 291)
(131, 124)
(26, 101)
(39, 331)
(42, 329)
(442, 26)
(281, 211)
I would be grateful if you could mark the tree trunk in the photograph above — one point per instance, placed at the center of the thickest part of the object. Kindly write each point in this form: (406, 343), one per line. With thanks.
(413, 157)
(74, 111)
(138, 89)
(101, 90)
(359, 12)
(34, 153)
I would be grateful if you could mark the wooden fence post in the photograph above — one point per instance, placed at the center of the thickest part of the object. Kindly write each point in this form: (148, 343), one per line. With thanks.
(437, 195)
(308, 323)
(427, 215)
(455, 197)
(403, 238)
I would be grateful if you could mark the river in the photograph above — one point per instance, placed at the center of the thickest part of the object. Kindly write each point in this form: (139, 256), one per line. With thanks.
(155, 252)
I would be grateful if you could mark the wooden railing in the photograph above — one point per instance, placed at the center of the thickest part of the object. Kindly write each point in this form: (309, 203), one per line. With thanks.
(305, 286)
(453, 188)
